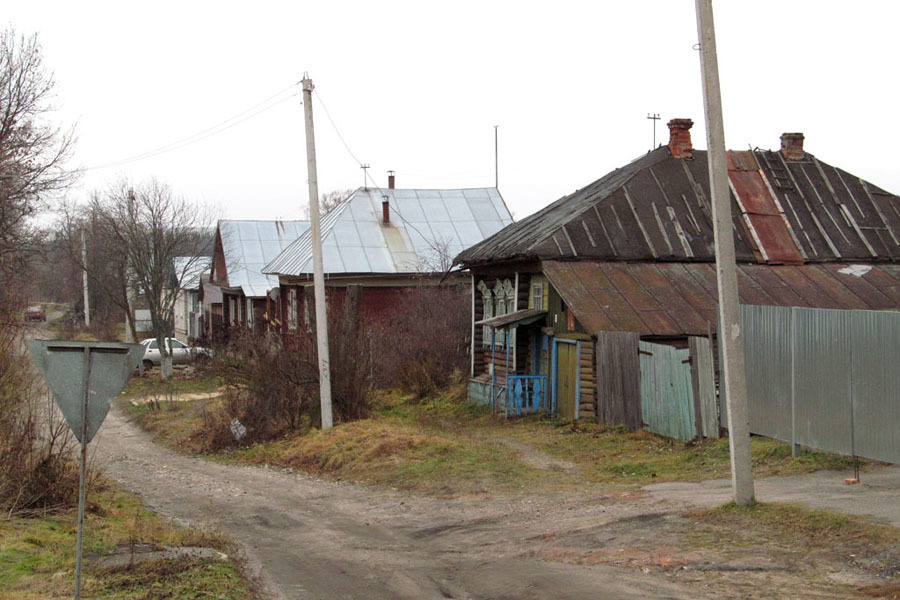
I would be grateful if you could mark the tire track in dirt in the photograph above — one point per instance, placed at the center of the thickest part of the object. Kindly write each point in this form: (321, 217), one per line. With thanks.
(310, 538)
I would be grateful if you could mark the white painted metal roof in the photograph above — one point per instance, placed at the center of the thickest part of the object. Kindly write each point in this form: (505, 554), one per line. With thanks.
(250, 245)
(427, 229)
(188, 270)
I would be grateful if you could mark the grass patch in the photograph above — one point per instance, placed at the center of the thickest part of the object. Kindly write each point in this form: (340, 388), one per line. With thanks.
(183, 381)
(442, 443)
(37, 555)
(787, 524)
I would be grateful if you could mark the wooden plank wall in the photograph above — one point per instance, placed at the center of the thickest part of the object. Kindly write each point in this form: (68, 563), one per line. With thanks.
(618, 379)
(587, 408)
(703, 376)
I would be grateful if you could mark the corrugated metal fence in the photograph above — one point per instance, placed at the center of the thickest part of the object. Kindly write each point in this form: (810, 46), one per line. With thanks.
(827, 379)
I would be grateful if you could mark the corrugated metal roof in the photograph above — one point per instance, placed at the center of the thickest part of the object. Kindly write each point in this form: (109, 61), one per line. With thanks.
(249, 245)
(427, 228)
(188, 270)
(657, 208)
(674, 299)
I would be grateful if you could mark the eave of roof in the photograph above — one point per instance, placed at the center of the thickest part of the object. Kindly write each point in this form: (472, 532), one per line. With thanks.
(677, 299)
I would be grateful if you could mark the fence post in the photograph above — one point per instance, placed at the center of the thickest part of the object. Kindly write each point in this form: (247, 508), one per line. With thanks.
(795, 447)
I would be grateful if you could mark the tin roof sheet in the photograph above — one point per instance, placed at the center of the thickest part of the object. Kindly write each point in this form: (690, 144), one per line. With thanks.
(188, 270)
(427, 228)
(657, 208)
(249, 245)
(675, 299)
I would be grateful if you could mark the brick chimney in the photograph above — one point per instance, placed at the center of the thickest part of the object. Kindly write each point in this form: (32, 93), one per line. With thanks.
(680, 138)
(390, 180)
(386, 209)
(792, 146)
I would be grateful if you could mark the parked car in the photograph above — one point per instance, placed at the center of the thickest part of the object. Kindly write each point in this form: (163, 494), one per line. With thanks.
(181, 352)
(35, 313)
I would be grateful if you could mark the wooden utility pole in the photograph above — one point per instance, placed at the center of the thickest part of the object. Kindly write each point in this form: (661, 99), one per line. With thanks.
(318, 269)
(84, 273)
(730, 335)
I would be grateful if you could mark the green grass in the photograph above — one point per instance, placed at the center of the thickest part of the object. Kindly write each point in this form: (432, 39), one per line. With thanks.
(152, 385)
(441, 444)
(797, 526)
(37, 555)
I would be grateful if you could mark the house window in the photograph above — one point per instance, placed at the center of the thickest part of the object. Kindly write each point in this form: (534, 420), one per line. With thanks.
(307, 320)
(487, 305)
(292, 308)
(233, 318)
(509, 294)
(250, 312)
(537, 296)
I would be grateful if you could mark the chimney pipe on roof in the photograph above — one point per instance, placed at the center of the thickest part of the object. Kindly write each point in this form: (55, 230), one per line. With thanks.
(390, 180)
(385, 210)
(680, 138)
(792, 146)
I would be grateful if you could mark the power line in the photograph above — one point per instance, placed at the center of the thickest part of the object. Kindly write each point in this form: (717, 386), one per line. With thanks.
(203, 134)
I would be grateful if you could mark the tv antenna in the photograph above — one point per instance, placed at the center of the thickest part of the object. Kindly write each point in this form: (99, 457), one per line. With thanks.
(365, 169)
(654, 117)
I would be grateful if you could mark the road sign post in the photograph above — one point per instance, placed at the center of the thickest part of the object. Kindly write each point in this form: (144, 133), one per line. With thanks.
(84, 377)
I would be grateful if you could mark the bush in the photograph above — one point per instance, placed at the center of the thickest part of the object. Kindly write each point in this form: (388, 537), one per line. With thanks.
(38, 470)
(426, 340)
(272, 381)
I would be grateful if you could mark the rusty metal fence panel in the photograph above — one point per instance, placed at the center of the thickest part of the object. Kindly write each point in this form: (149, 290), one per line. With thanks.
(827, 379)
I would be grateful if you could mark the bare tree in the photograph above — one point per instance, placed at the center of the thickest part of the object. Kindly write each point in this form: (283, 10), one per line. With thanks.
(329, 201)
(150, 227)
(105, 263)
(32, 149)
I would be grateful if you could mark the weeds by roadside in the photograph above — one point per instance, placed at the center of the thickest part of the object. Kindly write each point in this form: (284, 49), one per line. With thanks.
(37, 555)
(441, 444)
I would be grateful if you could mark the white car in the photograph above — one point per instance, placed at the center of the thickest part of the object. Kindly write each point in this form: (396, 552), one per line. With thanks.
(181, 352)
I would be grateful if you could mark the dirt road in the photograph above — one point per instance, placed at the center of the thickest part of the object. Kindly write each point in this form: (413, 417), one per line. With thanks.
(308, 538)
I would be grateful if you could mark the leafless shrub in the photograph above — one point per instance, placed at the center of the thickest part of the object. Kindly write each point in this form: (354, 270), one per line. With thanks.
(428, 335)
(272, 382)
(37, 469)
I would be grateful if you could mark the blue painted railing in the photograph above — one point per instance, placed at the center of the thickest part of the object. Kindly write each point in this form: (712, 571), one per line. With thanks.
(527, 394)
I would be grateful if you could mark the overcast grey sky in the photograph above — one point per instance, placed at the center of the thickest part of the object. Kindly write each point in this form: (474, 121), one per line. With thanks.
(418, 86)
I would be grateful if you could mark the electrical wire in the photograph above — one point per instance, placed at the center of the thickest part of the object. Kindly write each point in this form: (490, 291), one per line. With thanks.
(203, 134)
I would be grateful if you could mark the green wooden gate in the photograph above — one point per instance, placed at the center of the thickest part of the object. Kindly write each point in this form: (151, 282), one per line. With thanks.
(667, 398)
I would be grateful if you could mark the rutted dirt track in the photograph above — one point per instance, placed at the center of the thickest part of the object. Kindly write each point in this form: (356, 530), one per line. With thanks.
(309, 538)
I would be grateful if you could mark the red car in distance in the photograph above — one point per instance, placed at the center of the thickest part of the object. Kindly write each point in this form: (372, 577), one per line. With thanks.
(35, 313)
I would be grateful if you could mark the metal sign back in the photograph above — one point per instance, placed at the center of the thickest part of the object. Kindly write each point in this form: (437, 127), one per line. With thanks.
(63, 367)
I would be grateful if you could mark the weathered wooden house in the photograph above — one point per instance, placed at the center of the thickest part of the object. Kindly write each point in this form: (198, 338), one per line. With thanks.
(602, 305)
(238, 292)
(383, 242)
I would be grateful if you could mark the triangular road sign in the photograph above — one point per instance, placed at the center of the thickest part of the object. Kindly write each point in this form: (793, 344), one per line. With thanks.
(64, 365)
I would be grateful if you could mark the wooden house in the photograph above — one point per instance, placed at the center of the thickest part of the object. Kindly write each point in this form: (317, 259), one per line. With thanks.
(383, 242)
(575, 306)
(237, 293)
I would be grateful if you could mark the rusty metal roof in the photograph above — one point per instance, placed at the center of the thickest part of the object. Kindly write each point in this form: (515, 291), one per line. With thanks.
(657, 208)
(675, 299)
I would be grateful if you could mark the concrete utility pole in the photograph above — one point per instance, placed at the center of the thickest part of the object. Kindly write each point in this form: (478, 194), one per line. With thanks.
(84, 273)
(730, 335)
(496, 160)
(318, 269)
